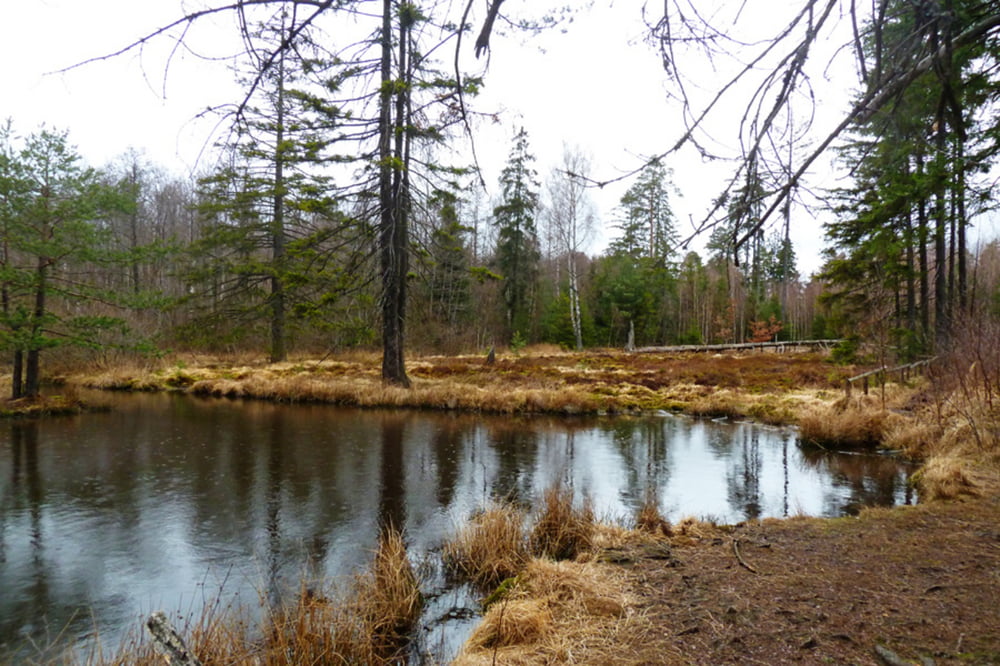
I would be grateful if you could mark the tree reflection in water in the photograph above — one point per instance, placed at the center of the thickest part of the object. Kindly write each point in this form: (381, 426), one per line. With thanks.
(743, 475)
(869, 479)
(392, 485)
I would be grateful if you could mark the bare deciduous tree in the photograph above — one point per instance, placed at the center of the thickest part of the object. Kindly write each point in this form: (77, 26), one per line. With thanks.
(571, 220)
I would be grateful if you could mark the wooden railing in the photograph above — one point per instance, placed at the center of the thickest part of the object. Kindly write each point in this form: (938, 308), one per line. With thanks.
(904, 371)
(741, 346)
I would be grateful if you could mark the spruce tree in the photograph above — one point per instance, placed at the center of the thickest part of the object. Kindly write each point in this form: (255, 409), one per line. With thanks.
(517, 249)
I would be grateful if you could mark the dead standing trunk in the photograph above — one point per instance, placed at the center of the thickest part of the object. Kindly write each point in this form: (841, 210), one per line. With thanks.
(278, 348)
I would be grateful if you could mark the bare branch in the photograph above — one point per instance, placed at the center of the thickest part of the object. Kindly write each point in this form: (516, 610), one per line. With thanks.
(872, 102)
(185, 20)
(483, 41)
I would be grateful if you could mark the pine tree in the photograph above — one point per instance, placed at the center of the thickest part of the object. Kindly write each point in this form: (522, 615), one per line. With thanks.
(902, 227)
(649, 241)
(53, 210)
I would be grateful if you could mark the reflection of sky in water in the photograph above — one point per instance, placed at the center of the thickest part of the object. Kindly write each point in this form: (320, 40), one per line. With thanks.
(165, 500)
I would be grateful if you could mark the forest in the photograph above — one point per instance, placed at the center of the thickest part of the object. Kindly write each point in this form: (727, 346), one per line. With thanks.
(335, 214)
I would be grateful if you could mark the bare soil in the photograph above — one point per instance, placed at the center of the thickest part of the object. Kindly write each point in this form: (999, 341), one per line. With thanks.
(922, 582)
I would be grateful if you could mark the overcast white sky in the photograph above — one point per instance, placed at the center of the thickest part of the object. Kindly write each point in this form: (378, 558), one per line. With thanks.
(594, 84)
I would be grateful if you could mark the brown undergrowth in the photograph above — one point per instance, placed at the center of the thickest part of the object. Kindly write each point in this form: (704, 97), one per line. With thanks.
(954, 420)
(916, 583)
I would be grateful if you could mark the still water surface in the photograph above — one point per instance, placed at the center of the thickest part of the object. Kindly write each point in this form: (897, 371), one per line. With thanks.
(166, 499)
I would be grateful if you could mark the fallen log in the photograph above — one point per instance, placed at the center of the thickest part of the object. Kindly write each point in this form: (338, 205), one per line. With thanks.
(168, 642)
(740, 346)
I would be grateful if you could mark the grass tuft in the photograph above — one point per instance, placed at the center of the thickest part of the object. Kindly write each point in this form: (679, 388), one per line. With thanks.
(945, 477)
(370, 625)
(555, 608)
(854, 424)
(490, 548)
(508, 623)
(562, 531)
(383, 609)
(649, 519)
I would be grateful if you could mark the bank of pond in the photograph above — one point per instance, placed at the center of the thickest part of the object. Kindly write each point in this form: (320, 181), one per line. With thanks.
(186, 504)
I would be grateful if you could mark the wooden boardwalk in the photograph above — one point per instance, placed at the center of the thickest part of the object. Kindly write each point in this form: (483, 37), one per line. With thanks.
(791, 345)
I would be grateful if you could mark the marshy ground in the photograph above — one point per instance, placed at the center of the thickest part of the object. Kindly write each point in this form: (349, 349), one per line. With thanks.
(917, 583)
(765, 386)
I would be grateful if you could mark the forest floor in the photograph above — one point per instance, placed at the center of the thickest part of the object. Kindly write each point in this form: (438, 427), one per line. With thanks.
(920, 583)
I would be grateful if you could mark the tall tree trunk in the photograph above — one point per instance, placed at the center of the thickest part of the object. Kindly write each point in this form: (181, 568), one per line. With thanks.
(278, 351)
(32, 370)
(963, 301)
(940, 248)
(17, 375)
(952, 216)
(17, 361)
(911, 284)
(922, 232)
(392, 233)
(134, 225)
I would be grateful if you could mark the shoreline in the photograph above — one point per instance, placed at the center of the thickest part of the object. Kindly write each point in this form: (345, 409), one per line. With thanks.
(603, 382)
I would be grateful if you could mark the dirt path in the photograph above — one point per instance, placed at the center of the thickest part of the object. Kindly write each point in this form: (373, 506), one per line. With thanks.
(921, 581)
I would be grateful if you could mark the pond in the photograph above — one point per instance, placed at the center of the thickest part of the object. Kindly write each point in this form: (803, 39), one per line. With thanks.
(166, 501)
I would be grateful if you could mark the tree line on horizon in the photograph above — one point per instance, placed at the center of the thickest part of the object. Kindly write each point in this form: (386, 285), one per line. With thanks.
(331, 221)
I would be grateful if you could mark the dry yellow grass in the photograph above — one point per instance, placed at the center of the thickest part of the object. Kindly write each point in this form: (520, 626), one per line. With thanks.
(122, 378)
(383, 608)
(946, 477)
(562, 531)
(535, 380)
(959, 443)
(489, 548)
(650, 519)
(718, 404)
(557, 612)
(849, 423)
(511, 622)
